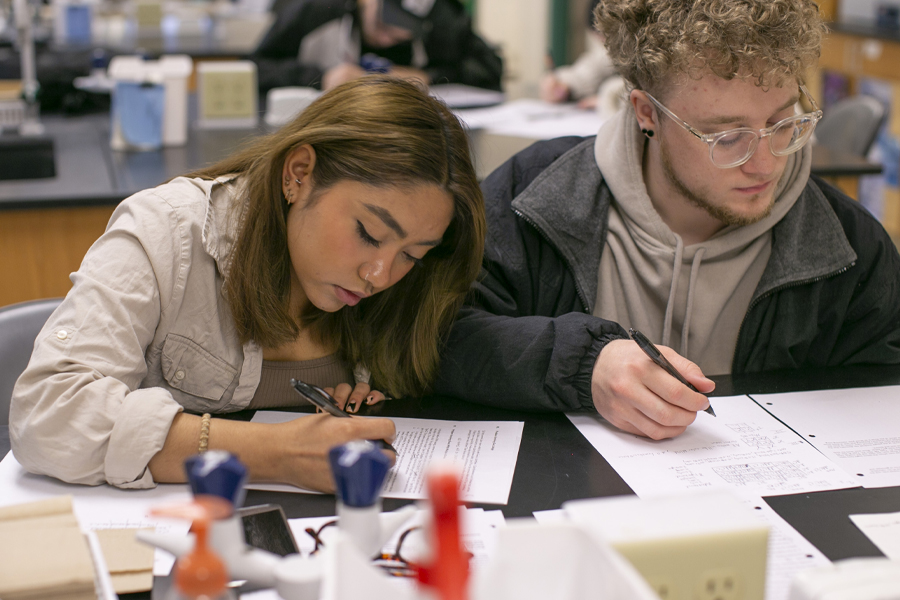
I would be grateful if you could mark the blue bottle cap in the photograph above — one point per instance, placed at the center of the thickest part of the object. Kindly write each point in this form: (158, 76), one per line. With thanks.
(359, 469)
(372, 63)
(217, 473)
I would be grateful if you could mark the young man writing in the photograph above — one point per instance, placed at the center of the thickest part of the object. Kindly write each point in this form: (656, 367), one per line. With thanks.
(691, 217)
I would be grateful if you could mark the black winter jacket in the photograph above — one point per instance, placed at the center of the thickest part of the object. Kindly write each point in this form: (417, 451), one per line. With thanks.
(830, 293)
(455, 53)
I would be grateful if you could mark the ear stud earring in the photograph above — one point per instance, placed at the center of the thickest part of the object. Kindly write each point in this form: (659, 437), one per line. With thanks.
(647, 132)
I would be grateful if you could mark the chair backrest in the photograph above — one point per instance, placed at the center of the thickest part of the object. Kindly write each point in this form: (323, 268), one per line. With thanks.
(851, 125)
(19, 326)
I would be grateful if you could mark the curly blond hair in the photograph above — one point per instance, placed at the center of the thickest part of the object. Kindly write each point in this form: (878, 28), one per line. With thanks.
(769, 40)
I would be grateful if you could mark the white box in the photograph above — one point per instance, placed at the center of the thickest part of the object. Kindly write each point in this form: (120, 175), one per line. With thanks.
(227, 95)
(700, 546)
(283, 104)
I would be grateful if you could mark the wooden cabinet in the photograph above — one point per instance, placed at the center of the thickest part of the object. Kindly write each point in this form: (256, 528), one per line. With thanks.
(41, 247)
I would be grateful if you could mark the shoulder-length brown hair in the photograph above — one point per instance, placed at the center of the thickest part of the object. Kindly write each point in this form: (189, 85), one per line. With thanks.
(382, 132)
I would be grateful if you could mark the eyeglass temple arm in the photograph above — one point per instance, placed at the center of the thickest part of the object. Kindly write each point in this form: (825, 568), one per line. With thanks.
(812, 101)
(675, 117)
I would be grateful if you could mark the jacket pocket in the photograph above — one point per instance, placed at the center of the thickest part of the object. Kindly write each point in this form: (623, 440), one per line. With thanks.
(193, 370)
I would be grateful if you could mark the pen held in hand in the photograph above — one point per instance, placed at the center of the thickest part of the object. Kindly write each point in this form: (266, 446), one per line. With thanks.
(322, 399)
(656, 356)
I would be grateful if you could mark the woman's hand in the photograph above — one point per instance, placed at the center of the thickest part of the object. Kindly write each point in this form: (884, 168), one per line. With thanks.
(351, 399)
(303, 446)
(295, 452)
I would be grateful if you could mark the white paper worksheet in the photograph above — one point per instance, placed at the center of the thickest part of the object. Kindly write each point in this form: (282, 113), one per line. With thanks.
(743, 448)
(789, 553)
(531, 118)
(859, 428)
(101, 506)
(883, 530)
(487, 451)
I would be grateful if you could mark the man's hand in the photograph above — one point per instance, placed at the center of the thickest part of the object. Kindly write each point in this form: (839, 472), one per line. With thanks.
(553, 90)
(634, 394)
(342, 73)
(410, 73)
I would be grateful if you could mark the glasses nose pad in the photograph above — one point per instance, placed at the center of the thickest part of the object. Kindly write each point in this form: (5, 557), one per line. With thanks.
(726, 164)
(754, 144)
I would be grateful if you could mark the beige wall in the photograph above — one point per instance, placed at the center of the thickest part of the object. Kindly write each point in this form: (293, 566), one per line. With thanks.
(520, 28)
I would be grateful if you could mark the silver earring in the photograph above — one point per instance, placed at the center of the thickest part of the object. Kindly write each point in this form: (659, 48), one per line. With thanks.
(298, 182)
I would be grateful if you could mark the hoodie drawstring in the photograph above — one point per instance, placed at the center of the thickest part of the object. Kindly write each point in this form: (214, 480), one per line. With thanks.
(676, 273)
(686, 328)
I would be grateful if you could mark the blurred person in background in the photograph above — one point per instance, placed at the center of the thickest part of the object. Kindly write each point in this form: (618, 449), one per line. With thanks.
(324, 43)
(581, 80)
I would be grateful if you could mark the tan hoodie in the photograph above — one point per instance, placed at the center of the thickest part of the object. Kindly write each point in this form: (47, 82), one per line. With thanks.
(690, 298)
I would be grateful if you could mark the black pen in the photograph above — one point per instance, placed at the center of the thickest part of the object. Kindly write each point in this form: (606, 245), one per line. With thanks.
(656, 356)
(326, 402)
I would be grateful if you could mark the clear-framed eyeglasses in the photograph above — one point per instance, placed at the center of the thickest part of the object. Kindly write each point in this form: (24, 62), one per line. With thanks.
(734, 147)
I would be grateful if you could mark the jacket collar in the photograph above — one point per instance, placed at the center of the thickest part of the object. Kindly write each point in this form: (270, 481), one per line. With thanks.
(809, 243)
(568, 203)
(224, 217)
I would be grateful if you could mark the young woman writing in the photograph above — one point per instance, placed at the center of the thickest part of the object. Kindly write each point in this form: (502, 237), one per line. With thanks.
(335, 251)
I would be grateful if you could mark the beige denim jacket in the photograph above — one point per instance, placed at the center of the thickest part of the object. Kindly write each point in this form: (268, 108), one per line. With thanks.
(144, 333)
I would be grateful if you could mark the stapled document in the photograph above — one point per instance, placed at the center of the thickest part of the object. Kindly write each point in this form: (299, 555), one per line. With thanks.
(487, 451)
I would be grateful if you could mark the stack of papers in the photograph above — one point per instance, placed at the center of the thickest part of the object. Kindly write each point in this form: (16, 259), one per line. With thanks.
(130, 562)
(44, 554)
(743, 449)
(857, 429)
(486, 451)
(98, 507)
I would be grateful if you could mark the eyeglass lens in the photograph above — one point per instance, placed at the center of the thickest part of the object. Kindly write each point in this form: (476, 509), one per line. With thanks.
(787, 138)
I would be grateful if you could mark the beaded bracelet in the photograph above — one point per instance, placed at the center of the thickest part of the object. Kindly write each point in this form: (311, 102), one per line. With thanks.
(204, 433)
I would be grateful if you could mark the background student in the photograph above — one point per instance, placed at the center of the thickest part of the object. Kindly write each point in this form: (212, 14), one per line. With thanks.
(692, 217)
(335, 251)
(582, 79)
(321, 43)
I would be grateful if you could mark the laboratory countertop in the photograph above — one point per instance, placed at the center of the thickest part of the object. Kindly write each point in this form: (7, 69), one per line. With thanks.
(89, 173)
(866, 29)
